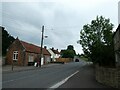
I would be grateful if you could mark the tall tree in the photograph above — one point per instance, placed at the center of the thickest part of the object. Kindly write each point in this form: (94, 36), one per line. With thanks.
(70, 47)
(7, 40)
(97, 42)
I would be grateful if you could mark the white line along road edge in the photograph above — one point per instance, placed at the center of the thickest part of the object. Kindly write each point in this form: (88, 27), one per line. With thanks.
(63, 81)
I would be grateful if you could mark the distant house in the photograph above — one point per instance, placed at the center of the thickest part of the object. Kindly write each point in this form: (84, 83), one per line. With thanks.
(54, 54)
(117, 45)
(23, 53)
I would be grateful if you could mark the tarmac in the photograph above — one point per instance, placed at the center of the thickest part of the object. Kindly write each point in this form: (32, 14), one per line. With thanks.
(85, 78)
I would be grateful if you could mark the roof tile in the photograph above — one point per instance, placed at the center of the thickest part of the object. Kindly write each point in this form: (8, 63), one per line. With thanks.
(33, 48)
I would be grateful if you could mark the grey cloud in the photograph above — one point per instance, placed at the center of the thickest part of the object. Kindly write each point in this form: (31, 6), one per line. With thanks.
(66, 19)
(20, 12)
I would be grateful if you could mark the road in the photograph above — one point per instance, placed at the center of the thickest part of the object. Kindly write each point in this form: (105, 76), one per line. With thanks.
(41, 78)
(85, 78)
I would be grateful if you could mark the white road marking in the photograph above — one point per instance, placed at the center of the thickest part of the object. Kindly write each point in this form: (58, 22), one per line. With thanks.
(63, 81)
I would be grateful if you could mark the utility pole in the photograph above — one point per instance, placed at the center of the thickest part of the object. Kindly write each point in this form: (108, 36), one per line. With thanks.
(12, 64)
(41, 50)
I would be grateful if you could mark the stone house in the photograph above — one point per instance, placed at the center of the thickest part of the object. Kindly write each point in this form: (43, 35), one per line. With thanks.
(117, 45)
(23, 53)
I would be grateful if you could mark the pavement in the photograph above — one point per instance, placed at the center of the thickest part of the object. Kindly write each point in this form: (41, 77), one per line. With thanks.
(8, 68)
(85, 78)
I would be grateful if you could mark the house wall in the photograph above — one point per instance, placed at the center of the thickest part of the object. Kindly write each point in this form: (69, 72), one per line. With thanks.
(47, 59)
(51, 52)
(27, 54)
(57, 55)
(53, 55)
(117, 47)
(16, 46)
(23, 55)
(36, 57)
(117, 40)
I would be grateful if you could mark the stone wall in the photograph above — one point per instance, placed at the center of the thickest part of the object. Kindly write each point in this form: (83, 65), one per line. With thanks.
(108, 76)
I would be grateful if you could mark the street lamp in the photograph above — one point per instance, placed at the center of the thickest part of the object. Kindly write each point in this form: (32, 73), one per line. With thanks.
(41, 50)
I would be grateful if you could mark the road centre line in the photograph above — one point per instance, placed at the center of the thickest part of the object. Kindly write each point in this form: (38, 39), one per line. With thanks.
(63, 81)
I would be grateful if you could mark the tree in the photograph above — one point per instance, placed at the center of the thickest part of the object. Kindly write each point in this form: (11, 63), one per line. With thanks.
(96, 40)
(7, 40)
(69, 52)
(70, 47)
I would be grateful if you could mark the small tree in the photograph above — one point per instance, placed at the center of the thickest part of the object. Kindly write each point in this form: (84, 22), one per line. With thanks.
(69, 52)
(70, 47)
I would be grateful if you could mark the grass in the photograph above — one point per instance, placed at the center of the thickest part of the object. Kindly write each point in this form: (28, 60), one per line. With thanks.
(83, 58)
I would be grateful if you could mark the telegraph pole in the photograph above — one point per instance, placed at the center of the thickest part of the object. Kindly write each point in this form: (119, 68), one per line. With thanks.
(41, 50)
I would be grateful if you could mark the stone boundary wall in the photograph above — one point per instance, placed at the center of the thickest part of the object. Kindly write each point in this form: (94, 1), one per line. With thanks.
(108, 76)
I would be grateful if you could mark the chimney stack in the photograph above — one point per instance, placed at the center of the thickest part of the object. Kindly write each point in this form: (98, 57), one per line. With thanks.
(52, 48)
(45, 47)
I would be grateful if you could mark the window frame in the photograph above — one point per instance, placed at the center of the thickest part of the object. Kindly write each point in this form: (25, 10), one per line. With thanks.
(15, 55)
(30, 58)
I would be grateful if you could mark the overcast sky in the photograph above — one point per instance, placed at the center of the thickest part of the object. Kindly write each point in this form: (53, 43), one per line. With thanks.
(63, 19)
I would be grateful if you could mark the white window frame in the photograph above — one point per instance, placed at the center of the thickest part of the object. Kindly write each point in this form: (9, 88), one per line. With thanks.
(15, 55)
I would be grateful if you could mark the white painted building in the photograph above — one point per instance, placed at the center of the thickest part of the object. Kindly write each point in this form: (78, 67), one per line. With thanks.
(54, 54)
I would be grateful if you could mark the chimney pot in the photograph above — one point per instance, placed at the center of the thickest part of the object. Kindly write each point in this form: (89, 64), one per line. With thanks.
(45, 47)
(52, 48)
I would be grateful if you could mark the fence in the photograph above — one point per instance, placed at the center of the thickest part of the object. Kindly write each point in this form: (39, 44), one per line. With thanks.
(65, 60)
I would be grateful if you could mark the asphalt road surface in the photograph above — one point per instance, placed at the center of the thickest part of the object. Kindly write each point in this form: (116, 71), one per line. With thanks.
(85, 78)
(41, 78)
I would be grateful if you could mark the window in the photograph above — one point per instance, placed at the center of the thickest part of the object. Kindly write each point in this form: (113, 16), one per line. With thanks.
(15, 55)
(31, 58)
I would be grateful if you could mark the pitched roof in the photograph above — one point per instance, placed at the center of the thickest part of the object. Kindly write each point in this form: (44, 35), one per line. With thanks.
(55, 51)
(33, 48)
(118, 28)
